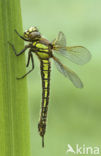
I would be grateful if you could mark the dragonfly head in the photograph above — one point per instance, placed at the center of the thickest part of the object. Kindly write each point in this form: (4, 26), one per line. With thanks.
(32, 34)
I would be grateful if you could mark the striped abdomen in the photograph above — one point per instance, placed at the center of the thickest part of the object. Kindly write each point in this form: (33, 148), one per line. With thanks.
(45, 75)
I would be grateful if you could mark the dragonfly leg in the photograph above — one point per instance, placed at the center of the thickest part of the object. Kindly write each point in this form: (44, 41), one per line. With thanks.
(22, 51)
(30, 56)
(21, 36)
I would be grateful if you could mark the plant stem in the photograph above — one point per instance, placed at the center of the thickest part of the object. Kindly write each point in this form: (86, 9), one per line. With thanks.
(14, 114)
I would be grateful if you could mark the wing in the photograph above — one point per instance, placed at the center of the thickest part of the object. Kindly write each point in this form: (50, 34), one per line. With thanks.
(77, 54)
(59, 42)
(68, 73)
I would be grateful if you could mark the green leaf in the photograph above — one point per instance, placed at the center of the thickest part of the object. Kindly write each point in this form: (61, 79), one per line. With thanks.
(14, 113)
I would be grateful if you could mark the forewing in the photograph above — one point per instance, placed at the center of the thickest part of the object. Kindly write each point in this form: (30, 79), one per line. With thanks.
(68, 73)
(77, 54)
(60, 42)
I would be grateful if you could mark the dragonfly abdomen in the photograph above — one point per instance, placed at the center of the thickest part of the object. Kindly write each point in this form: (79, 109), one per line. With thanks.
(45, 75)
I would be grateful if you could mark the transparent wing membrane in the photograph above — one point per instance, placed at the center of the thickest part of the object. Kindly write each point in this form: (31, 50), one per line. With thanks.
(68, 73)
(77, 54)
(60, 41)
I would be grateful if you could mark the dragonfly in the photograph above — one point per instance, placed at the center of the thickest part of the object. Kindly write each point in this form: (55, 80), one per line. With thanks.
(45, 51)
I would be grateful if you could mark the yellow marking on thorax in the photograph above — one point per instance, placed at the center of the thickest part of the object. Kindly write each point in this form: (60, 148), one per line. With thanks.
(43, 55)
(34, 43)
(43, 52)
(41, 46)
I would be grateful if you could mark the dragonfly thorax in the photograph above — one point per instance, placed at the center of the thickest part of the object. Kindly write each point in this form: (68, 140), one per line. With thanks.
(42, 51)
